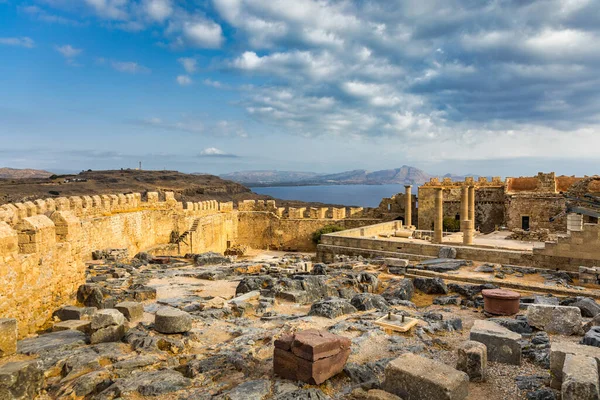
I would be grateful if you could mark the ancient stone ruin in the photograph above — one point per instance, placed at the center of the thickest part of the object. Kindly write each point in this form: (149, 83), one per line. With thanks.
(143, 296)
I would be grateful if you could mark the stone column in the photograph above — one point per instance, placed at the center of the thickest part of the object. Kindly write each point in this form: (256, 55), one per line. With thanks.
(472, 204)
(408, 205)
(464, 206)
(438, 223)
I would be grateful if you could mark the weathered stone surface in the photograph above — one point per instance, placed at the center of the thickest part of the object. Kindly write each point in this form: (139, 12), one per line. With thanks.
(472, 359)
(21, 380)
(589, 308)
(112, 333)
(558, 352)
(172, 320)
(413, 377)
(447, 252)
(252, 390)
(303, 394)
(108, 317)
(55, 341)
(73, 324)
(441, 264)
(8, 336)
(90, 295)
(369, 301)
(431, 285)
(502, 344)
(402, 290)
(396, 262)
(319, 269)
(580, 378)
(592, 337)
(73, 312)
(513, 324)
(331, 308)
(562, 320)
(132, 310)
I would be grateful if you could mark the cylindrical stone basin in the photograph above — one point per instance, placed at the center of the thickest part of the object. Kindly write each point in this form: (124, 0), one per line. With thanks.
(500, 302)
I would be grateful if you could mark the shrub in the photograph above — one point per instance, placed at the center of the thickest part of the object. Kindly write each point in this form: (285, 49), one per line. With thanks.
(316, 236)
(451, 224)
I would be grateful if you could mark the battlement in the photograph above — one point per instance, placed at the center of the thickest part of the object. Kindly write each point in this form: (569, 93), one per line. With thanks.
(481, 181)
(300, 213)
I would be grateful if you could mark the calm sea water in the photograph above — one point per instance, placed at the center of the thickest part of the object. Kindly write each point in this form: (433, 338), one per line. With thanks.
(349, 195)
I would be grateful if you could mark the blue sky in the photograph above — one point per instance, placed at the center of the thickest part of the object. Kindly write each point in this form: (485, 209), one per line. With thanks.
(497, 87)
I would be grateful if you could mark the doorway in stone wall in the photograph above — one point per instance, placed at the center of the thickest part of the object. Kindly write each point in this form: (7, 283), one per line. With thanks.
(525, 222)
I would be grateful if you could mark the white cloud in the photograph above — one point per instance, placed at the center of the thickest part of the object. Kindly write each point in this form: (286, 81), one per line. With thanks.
(203, 33)
(214, 152)
(68, 51)
(184, 80)
(158, 10)
(189, 64)
(22, 41)
(129, 67)
(111, 9)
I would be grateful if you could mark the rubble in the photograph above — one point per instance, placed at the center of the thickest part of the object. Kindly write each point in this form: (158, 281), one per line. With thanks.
(562, 320)
(472, 359)
(502, 345)
(580, 378)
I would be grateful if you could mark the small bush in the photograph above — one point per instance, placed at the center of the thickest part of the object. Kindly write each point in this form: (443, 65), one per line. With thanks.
(316, 236)
(451, 224)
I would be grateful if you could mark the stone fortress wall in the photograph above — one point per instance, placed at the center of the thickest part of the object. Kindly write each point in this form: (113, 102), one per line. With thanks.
(44, 244)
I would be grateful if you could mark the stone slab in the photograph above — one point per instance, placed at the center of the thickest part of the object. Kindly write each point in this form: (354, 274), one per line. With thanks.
(562, 320)
(558, 352)
(580, 378)
(414, 377)
(502, 344)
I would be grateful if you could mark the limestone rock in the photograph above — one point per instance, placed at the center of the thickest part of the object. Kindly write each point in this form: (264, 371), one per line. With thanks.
(112, 333)
(447, 252)
(90, 295)
(132, 310)
(172, 320)
(592, 337)
(73, 324)
(319, 269)
(252, 390)
(332, 307)
(73, 312)
(558, 352)
(369, 301)
(413, 377)
(8, 336)
(303, 394)
(502, 345)
(431, 285)
(21, 380)
(399, 290)
(513, 324)
(580, 378)
(108, 317)
(589, 308)
(51, 342)
(562, 320)
(472, 359)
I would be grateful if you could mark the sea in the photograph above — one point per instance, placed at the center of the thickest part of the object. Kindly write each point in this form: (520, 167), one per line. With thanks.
(348, 195)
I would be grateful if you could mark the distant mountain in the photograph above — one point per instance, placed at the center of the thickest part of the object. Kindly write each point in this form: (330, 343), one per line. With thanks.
(12, 173)
(402, 175)
(268, 177)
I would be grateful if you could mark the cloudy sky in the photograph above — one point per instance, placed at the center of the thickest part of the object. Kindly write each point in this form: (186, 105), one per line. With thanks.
(497, 87)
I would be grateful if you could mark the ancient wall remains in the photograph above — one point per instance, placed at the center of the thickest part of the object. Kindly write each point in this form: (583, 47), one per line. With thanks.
(489, 202)
(44, 244)
(396, 205)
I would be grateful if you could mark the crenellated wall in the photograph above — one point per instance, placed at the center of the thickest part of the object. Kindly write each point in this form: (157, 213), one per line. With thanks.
(44, 244)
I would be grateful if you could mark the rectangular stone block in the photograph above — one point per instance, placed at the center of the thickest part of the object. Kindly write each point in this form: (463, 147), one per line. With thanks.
(558, 353)
(562, 320)
(414, 377)
(580, 378)
(502, 344)
(8, 336)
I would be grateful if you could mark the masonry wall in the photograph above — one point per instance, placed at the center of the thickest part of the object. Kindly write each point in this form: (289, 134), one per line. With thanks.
(539, 207)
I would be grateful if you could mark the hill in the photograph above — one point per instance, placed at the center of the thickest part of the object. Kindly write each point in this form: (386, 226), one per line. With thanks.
(188, 187)
(12, 173)
(402, 175)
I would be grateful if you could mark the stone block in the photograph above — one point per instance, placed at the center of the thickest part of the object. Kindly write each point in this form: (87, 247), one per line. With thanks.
(395, 262)
(132, 310)
(580, 378)
(310, 356)
(172, 320)
(113, 333)
(21, 380)
(8, 336)
(414, 377)
(588, 307)
(472, 359)
(108, 317)
(73, 312)
(562, 320)
(558, 354)
(73, 324)
(502, 344)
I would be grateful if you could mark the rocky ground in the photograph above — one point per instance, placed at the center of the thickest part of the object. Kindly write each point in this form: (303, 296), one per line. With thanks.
(204, 327)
